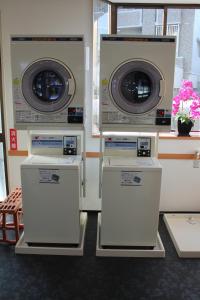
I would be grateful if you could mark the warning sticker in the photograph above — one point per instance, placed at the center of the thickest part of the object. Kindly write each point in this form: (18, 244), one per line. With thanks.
(49, 176)
(130, 178)
(104, 81)
(16, 81)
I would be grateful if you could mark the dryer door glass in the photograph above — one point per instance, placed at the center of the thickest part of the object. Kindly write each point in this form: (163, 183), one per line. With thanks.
(135, 87)
(48, 86)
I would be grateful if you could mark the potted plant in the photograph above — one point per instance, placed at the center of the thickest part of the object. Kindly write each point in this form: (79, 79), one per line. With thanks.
(186, 108)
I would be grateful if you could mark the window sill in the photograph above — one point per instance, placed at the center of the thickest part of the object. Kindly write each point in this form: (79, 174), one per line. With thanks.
(173, 136)
(168, 136)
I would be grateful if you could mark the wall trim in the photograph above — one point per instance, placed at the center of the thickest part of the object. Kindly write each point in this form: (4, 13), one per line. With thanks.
(18, 153)
(176, 156)
(187, 156)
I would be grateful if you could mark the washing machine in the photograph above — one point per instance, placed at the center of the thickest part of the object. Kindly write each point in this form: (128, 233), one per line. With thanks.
(51, 180)
(131, 182)
(136, 82)
(48, 81)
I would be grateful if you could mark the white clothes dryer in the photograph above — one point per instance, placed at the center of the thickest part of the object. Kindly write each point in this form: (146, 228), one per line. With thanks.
(136, 82)
(48, 81)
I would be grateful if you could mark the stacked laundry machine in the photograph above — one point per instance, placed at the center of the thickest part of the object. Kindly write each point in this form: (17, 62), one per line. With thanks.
(48, 76)
(136, 90)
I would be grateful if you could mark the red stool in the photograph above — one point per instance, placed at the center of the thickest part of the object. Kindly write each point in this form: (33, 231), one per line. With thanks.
(12, 205)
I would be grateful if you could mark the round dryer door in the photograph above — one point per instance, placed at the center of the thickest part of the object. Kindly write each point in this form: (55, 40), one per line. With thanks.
(48, 86)
(135, 87)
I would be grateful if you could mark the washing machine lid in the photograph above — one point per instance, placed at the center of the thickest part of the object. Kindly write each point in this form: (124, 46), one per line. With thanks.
(136, 87)
(48, 85)
(42, 161)
(147, 163)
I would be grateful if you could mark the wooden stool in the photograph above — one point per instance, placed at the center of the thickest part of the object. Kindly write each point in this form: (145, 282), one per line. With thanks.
(11, 206)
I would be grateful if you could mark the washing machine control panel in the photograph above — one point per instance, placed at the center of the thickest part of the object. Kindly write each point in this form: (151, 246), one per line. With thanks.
(144, 146)
(70, 145)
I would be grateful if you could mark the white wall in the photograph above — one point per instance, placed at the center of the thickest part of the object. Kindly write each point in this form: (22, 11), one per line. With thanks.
(179, 192)
(180, 189)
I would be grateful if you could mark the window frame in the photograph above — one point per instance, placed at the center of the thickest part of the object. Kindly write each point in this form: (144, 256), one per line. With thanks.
(2, 134)
(165, 7)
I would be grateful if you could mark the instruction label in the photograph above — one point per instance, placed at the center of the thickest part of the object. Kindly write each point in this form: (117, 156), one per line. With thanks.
(47, 142)
(49, 176)
(130, 178)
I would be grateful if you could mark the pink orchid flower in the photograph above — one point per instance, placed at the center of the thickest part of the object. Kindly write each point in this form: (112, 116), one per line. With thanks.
(187, 102)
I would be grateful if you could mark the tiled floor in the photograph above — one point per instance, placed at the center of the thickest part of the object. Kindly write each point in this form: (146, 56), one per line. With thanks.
(92, 278)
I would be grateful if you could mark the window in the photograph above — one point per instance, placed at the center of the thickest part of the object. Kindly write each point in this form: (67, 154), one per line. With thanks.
(185, 24)
(129, 21)
(180, 21)
(138, 20)
(101, 23)
(2, 173)
(3, 162)
(198, 41)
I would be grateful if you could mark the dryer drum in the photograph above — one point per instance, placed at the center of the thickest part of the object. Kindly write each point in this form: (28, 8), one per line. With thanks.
(135, 87)
(48, 86)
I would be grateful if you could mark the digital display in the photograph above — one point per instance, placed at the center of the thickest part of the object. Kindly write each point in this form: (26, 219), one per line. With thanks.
(69, 142)
(144, 144)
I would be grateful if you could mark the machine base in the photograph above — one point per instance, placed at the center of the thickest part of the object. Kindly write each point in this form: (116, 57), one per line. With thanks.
(23, 248)
(157, 252)
(184, 230)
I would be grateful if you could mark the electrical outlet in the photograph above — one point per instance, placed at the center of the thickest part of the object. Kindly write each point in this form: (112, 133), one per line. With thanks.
(196, 163)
